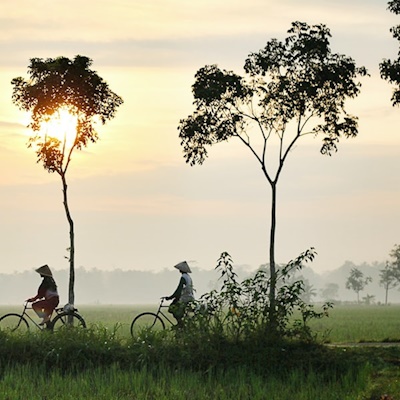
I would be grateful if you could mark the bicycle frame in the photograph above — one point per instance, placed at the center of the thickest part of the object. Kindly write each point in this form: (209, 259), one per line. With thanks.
(27, 316)
(159, 311)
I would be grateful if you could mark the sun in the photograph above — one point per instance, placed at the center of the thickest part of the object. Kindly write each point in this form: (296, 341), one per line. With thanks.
(62, 126)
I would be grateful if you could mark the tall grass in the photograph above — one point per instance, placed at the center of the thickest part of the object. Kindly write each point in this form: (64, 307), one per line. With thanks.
(113, 383)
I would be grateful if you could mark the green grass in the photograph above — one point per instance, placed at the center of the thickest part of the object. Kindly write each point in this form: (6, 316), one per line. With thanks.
(112, 383)
(350, 323)
(104, 362)
(360, 323)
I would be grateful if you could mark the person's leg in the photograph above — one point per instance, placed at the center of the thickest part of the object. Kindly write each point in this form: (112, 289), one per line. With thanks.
(44, 308)
(38, 308)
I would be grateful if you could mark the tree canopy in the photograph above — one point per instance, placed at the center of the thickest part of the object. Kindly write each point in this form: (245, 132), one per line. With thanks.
(293, 80)
(62, 83)
(390, 69)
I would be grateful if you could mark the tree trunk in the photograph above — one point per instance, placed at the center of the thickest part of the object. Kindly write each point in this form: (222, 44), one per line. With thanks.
(272, 267)
(386, 294)
(71, 294)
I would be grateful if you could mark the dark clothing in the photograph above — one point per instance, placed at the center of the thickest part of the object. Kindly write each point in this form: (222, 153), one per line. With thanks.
(47, 291)
(47, 288)
(178, 292)
(46, 306)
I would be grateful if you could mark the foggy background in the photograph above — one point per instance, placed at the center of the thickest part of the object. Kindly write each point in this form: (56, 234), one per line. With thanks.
(102, 287)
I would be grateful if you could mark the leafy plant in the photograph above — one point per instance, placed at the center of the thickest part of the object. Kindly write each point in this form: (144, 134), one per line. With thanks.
(240, 310)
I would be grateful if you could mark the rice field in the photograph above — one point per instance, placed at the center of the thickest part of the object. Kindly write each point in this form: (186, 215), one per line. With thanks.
(345, 324)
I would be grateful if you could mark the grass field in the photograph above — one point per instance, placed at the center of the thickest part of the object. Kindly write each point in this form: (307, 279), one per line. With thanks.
(378, 375)
(349, 323)
(33, 383)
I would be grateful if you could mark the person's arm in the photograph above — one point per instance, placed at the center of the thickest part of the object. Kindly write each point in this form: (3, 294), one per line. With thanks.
(178, 291)
(40, 294)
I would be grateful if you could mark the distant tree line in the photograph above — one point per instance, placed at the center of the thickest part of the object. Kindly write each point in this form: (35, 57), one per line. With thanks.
(389, 277)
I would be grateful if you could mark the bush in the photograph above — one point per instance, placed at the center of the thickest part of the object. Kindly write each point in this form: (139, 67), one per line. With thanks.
(241, 310)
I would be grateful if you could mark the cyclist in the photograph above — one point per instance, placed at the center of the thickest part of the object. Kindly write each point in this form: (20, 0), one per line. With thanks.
(47, 295)
(183, 293)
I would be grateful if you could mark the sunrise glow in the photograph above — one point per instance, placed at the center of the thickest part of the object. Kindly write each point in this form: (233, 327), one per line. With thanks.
(62, 126)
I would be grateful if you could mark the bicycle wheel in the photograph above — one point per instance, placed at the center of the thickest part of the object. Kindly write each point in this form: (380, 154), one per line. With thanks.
(65, 320)
(13, 322)
(146, 321)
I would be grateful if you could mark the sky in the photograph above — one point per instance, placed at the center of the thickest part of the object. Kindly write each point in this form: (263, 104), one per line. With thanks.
(136, 204)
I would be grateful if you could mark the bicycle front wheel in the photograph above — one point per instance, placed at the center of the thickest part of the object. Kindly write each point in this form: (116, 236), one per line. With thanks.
(65, 320)
(13, 322)
(146, 321)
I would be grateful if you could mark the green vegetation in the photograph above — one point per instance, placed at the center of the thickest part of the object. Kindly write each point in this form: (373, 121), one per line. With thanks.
(224, 350)
(114, 383)
(104, 362)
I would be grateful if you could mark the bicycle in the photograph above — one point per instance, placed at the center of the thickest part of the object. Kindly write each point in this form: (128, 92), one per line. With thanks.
(65, 318)
(151, 320)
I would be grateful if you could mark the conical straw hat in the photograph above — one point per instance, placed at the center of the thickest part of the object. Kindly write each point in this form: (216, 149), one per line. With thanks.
(44, 270)
(183, 267)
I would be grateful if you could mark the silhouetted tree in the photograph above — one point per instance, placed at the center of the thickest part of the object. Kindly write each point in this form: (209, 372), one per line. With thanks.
(55, 85)
(390, 70)
(357, 282)
(291, 89)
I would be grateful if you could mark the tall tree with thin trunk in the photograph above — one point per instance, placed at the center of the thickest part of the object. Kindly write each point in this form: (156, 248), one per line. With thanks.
(61, 90)
(290, 89)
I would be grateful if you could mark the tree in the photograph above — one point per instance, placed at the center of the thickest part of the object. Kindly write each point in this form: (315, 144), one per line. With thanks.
(395, 255)
(309, 291)
(357, 282)
(330, 291)
(60, 86)
(368, 299)
(389, 279)
(291, 89)
(390, 274)
(390, 70)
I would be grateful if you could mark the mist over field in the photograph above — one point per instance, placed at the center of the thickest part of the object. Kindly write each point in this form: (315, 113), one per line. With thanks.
(93, 286)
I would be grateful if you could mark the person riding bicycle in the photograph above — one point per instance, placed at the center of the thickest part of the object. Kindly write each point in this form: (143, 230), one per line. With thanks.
(183, 293)
(47, 295)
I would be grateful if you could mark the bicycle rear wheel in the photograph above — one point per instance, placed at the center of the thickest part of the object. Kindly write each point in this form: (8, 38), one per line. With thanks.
(13, 322)
(146, 321)
(65, 320)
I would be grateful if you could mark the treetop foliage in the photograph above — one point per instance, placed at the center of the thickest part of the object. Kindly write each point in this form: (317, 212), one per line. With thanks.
(390, 70)
(394, 6)
(294, 80)
(63, 83)
(60, 83)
